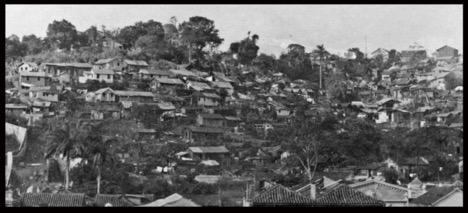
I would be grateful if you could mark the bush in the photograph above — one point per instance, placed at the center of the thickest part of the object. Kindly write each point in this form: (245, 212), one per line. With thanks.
(390, 175)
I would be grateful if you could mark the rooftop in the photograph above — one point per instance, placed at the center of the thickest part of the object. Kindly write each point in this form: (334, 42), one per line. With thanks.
(209, 149)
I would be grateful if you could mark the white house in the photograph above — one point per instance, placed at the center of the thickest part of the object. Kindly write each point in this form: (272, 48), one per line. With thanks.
(106, 75)
(28, 67)
(104, 94)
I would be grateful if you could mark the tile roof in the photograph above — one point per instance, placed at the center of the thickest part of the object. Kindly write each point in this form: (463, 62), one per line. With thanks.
(155, 72)
(381, 188)
(211, 116)
(344, 195)
(183, 72)
(53, 200)
(136, 62)
(201, 129)
(433, 195)
(104, 61)
(115, 200)
(166, 106)
(209, 149)
(133, 93)
(103, 71)
(199, 86)
(278, 195)
(15, 106)
(169, 81)
(210, 95)
(103, 90)
(221, 84)
(77, 65)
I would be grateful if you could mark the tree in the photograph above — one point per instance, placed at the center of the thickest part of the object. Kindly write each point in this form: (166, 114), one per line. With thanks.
(130, 34)
(33, 44)
(197, 33)
(296, 63)
(390, 175)
(322, 54)
(62, 33)
(14, 49)
(265, 63)
(247, 49)
(69, 141)
(99, 151)
(358, 53)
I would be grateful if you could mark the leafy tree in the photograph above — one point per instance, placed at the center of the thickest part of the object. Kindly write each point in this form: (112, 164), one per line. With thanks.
(265, 63)
(322, 54)
(296, 63)
(62, 33)
(33, 44)
(100, 154)
(358, 53)
(197, 33)
(130, 34)
(247, 49)
(14, 49)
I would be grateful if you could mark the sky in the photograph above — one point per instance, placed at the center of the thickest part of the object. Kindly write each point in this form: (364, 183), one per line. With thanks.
(338, 27)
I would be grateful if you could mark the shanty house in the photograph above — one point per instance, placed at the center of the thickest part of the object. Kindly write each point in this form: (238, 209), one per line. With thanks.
(67, 72)
(446, 53)
(167, 84)
(154, 73)
(210, 120)
(200, 134)
(39, 79)
(28, 67)
(206, 99)
(134, 96)
(218, 153)
(106, 75)
(110, 64)
(104, 95)
(135, 65)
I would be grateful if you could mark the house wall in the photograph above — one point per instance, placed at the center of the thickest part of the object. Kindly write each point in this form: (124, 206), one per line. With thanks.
(447, 52)
(106, 96)
(455, 199)
(36, 81)
(204, 101)
(104, 77)
(25, 68)
(44, 95)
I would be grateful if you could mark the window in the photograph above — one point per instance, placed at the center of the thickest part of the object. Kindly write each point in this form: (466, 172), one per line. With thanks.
(38, 78)
(97, 75)
(27, 78)
(108, 76)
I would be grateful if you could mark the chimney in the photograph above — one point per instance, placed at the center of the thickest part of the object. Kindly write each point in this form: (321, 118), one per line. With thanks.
(313, 191)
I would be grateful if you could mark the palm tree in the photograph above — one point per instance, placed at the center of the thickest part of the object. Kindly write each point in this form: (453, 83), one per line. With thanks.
(100, 155)
(67, 141)
(322, 54)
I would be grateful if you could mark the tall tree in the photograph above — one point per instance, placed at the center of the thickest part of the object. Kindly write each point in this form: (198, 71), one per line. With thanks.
(67, 139)
(322, 54)
(62, 33)
(197, 33)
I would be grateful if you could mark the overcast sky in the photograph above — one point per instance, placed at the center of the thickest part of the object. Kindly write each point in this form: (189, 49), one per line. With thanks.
(338, 27)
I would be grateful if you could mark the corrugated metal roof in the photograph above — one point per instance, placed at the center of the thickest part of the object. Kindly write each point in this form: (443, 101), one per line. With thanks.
(53, 200)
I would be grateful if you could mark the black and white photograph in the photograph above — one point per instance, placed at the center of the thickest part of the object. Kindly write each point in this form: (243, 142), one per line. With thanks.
(238, 105)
